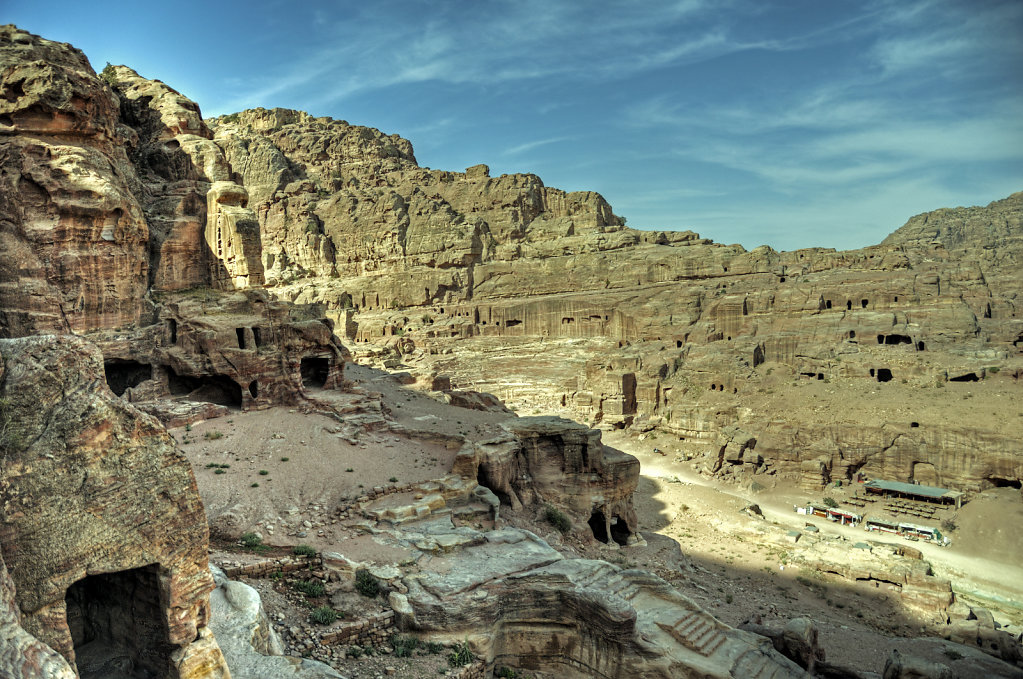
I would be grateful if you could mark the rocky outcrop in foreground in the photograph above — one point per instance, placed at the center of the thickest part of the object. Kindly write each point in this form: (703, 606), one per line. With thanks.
(101, 526)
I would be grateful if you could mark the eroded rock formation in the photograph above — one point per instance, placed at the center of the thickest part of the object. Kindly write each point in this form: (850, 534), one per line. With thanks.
(101, 525)
(557, 462)
(645, 328)
(122, 221)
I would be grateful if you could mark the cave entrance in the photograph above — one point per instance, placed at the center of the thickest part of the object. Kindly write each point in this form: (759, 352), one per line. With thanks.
(884, 375)
(123, 374)
(483, 478)
(117, 625)
(968, 377)
(315, 371)
(218, 389)
(619, 531)
(999, 482)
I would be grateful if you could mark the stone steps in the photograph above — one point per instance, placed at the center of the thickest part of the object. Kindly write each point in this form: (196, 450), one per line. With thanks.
(698, 632)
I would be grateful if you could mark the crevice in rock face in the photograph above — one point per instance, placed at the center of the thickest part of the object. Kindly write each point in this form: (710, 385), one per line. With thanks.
(118, 626)
(124, 374)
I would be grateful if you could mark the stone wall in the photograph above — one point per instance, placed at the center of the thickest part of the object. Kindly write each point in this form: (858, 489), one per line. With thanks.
(374, 631)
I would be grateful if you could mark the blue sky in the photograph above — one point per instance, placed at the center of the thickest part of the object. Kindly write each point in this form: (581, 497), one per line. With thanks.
(795, 124)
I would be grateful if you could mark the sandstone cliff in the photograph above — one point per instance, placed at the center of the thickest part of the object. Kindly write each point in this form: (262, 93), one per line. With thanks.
(101, 525)
(545, 297)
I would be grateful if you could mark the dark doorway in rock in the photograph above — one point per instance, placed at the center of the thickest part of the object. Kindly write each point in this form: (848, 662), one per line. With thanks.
(172, 328)
(1005, 483)
(257, 337)
(123, 374)
(968, 377)
(629, 402)
(884, 375)
(254, 389)
(920, 346)
(620, 531)
(897, 339)
(848, 305)
(863, 303)
(118, 626)
(483, 478)
(218, 389)
(241, 337)
(598, 524)
(315, 371)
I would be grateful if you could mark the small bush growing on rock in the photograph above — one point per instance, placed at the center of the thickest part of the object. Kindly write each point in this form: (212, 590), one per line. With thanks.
(311, 588)
(461, 655)
(230, 118)
(355, 651)
(830, 502)
(263, 472)
(304, 550)
(324, 615)
(213, 435)
(403, 645)
(557, 518)
(251, 540)
(393, 479)
(365, 584)
(433, 648)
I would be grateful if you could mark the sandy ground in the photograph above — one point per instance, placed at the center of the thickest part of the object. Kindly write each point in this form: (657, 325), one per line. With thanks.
(697, 538)
(740, 570)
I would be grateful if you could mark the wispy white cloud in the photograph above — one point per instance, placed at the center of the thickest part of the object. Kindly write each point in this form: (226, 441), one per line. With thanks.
(530, 145)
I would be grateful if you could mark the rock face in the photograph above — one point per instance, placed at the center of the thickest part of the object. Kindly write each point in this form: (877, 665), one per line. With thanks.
(73, 236)
(557, 462)
(525, 607)
(238, 350)
(22, 656)
(123, 222)
(101, 525)
(645, 328)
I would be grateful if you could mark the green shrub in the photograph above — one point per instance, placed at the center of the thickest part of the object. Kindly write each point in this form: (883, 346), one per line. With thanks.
(461, 655)
(230, 118)
(433, 648)
(254, 485)
(324, 615)
(285, 459)
(993, 369)
(304, 550)
(263, 472)
(251, 540)
(311, 588)
(393, 479)
(830, 502)
(213, 435)
(404, 645)
(365, 584)
(220, 471)
(557, 518)
(355, 651)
